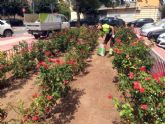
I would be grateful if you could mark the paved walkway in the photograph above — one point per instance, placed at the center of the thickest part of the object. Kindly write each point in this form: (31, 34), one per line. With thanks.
(95, 107)
(9, 42)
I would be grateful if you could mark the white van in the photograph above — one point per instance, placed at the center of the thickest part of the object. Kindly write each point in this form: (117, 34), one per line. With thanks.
(43, 24)
(5, 29)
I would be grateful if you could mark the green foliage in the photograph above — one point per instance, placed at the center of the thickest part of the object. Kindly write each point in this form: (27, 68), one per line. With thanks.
(132, 57)
(125, 34)
(55, 75)
(3, 114)
(45, 6)
(13, 8)
(54, 78)
(64, 9)
(143, 91)
(23, 61)
(4, 66)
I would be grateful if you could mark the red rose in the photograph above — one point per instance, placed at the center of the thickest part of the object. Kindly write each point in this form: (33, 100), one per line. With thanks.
(147, 78)
(58, 61)
(136, 85)
(49, 98)
(35, 95)
(43, 64)
(131, 75)
(35, 118)
(144, 106)
(47, 110)
(118, 41)
(143, 68)
(71, 62)
(156, 77)
(141, 90)
(110, 97)
(47, 53)
(50, 60)
(38, 65)
(65, 82)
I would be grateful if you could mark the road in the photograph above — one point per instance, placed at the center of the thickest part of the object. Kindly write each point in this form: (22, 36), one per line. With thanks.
(20, 34)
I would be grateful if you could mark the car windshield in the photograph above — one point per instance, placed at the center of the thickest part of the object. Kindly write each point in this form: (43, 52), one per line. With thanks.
(159, 23)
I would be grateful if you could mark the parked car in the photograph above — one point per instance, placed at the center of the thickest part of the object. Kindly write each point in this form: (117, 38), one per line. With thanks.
(112, 21)
(154, 34)
(5, 29)
(153, 27)
(140, 22)
(147, 25)
(73, 23)
(15, 22)
(161, 40)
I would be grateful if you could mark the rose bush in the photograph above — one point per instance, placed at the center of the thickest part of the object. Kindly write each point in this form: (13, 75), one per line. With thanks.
(4, 67)
(23, 61)
(143, 91)
(55, 74)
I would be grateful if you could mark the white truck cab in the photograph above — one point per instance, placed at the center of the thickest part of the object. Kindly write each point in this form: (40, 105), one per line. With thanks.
(5, 29)
(44, 24)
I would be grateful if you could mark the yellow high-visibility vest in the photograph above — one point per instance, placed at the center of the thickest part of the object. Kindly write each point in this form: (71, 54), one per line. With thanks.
(106, 28)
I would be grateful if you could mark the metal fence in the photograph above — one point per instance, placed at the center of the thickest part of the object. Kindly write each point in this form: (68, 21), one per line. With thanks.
(11, 52)
(159, 63)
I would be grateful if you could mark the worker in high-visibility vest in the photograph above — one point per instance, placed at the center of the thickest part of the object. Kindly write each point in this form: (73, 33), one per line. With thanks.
(109, 31)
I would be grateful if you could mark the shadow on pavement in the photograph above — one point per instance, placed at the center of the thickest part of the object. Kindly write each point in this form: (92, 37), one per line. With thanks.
(12, 84)
(64, 111)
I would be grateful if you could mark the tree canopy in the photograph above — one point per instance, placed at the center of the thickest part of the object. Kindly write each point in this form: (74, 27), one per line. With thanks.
(87, 6)
(13, 8)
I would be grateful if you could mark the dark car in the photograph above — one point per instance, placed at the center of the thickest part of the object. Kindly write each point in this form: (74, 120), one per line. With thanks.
(154, 34)
(140, 22)
(73, 23)
(113, 21)
(15, 22)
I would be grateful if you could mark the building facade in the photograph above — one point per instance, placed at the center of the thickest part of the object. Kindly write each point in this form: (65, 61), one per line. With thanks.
(133, 9)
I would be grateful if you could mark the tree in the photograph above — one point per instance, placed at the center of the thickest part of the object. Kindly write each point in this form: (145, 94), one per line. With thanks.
(163, 12)
(90, 6)
(64, 9)
(84, 6)
(45, 6)
(12, 8)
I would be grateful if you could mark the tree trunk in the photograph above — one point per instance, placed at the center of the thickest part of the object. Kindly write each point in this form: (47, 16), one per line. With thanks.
(78, 16)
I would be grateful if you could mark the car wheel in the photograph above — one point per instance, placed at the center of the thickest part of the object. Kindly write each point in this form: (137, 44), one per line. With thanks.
(8, 33)
(37, 36)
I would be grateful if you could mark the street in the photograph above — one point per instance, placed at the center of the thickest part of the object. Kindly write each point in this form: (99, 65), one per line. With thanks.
(20, 34)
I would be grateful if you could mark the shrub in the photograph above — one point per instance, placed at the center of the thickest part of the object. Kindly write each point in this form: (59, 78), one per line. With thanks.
(23, 61)
(125, 34)
(142, 90)
(4, 66)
